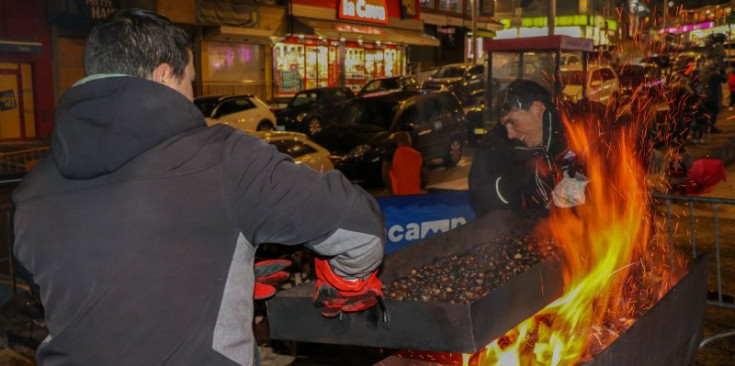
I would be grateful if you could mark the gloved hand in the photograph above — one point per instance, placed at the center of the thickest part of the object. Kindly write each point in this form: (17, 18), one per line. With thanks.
(569, 163)
(268, 274)
(335, 294)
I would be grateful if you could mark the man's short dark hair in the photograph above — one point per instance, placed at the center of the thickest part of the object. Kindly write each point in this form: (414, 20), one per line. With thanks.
(520, 94)
(134, 42)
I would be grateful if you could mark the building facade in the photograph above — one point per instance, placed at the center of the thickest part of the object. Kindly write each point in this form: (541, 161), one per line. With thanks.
(26, 74)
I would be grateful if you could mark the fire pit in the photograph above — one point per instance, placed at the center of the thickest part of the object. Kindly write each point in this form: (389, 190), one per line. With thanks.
(450, 325)
(667, 335)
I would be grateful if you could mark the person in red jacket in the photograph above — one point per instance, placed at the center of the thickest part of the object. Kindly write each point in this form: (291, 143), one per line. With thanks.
(406, 167)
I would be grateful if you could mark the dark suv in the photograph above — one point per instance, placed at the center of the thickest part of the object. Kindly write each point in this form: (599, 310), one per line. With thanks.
(361, 135)
(308, 110)
(464, 80)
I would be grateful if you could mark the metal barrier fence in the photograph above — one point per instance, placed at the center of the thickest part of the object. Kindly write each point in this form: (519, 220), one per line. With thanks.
(21, 161)
(689, 202)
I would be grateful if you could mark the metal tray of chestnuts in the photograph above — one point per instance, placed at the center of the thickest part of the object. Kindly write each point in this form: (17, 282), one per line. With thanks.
(454, 292)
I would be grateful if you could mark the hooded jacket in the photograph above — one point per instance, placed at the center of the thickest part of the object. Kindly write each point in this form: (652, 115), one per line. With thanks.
(508, 176)
(140, 228)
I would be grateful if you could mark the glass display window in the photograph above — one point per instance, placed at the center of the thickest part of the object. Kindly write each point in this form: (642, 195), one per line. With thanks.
(317, 67)
(289, 59)
(354, 68)
(374, 63)
(390, 57)
(450, 5)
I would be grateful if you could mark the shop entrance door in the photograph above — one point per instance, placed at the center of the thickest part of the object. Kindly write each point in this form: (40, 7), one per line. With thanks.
(317, 67)
(16, 102)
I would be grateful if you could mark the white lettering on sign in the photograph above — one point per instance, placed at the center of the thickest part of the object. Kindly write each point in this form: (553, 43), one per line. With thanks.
(348, 8)
(100, 9)
(420, 230)
(368, 11)
(362, 9)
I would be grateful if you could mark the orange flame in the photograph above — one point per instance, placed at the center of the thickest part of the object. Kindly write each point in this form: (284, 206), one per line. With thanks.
(611, 273)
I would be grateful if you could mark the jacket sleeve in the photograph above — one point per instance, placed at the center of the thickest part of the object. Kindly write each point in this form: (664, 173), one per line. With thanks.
(275, 200)
(495, 181)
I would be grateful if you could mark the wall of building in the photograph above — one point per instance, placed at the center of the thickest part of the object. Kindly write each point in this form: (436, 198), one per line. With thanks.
(26, 20)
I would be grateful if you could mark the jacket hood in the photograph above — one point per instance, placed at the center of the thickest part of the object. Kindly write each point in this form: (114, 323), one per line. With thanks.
(104, 122)
(554, 135)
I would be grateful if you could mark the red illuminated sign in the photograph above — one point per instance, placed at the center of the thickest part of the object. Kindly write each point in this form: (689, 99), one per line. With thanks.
(374, 11)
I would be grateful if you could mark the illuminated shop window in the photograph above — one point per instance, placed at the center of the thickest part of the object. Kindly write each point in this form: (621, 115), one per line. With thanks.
(230, 61)
(290, 67)
(355, 76)
(428, 4)
(450, 5)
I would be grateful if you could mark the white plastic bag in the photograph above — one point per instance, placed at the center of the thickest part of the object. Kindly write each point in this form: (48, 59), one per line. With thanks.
(570, 192)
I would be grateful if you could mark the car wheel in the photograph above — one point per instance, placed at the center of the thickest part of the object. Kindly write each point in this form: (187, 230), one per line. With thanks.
(265, 126)
(454, 152)
(313, 126)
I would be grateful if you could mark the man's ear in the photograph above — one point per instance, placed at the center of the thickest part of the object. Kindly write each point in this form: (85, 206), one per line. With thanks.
(537, 107)
(162, 74)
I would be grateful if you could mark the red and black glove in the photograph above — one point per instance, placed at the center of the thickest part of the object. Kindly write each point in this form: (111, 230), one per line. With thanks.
(335, 294)
(269, 274)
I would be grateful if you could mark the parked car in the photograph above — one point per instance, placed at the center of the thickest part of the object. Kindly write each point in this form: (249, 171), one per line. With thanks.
(362, 133)
(388, 84)
(300, 148)
(464, 80)
(244, 111)
(475, 117)
(603, 85)
(309, 110)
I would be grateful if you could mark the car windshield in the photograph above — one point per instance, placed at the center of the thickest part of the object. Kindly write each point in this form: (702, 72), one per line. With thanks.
(206, 105)
(381, 85)
(304, 98)
(572, 77)
(368, 112)
(634, 75)
(449, 72)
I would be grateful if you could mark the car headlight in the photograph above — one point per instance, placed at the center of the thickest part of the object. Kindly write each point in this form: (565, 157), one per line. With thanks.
(301, 116)
(358, 152)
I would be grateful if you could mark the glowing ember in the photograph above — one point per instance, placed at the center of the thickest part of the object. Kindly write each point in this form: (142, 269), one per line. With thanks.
(614, 270)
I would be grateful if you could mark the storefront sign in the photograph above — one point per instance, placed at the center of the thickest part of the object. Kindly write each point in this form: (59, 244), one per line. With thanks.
(98, 9)
(10, 45)
(409, 9)
(240, 13)
(374, 11)
(7, 100)
(409, 219)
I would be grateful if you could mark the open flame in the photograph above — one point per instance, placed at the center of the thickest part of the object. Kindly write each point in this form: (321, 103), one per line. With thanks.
(614, 268)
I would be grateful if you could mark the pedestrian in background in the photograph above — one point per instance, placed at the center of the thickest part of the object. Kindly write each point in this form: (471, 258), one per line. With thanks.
(141, 225)
(406, 167)
(731, 87)
(712, 100)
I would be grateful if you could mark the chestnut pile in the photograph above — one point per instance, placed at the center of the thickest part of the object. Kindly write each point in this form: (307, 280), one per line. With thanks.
(470, 276)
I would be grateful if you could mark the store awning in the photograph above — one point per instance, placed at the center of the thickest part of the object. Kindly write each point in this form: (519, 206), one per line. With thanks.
(240, 35)
(20, 46)
(366, 33)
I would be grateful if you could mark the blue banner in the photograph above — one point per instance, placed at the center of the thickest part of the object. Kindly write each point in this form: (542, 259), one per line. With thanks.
(409, 219)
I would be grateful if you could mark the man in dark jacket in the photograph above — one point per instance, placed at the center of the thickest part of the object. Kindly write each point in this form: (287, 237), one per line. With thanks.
(524, 156)
(141, 226)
